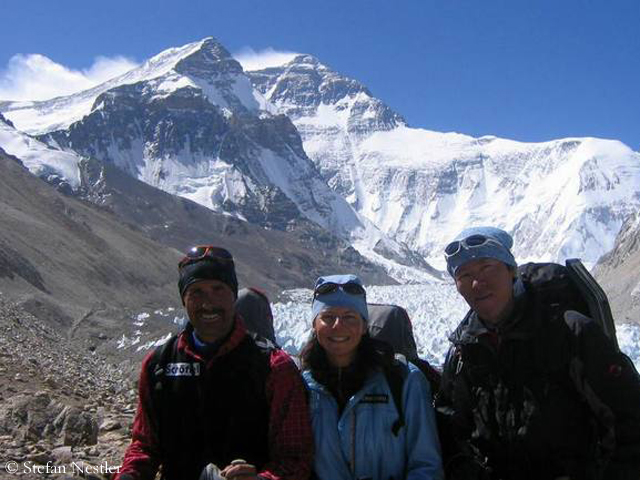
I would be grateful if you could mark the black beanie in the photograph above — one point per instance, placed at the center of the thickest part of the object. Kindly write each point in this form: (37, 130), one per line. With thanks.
(208, 268)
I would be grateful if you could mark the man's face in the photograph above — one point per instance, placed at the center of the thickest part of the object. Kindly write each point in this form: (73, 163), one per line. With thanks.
(487, 286)
(210, 305)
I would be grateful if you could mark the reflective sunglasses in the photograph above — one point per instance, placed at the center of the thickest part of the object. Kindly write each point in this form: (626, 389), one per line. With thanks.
(351, 288)
(196, 254)
(473, 241)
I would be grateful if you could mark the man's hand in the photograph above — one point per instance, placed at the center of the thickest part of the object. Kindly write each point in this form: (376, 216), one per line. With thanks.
(241, 470)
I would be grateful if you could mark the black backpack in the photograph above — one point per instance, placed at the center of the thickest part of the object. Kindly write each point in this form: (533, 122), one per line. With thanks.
(254, 308)
(569, 287)
(391, 325)
(560, 289)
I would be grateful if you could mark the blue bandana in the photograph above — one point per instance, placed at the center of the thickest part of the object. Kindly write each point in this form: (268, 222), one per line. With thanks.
(499, 248)
(338, 297)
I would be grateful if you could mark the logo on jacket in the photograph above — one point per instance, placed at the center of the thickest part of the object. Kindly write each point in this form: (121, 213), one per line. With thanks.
(182, 369)
(375, 398)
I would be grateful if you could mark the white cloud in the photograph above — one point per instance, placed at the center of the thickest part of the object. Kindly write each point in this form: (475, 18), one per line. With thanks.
(252, 60)
(36, 77)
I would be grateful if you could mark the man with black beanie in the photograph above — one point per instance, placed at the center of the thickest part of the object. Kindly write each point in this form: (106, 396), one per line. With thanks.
(213, 394)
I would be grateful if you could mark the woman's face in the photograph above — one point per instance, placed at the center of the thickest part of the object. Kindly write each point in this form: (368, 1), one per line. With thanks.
(339, 331)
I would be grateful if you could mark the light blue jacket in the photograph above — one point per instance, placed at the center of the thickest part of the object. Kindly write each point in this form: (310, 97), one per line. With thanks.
(359, 444)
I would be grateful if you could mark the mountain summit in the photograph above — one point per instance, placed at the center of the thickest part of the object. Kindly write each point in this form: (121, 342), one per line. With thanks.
(305, 87)
(188, 121)
(205, 64)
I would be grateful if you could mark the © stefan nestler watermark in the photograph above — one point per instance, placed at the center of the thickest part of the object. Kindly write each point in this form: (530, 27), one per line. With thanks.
(79, 468)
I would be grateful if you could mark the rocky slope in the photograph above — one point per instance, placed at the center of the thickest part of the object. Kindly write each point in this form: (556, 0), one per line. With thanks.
(269, 259)
(72, 263)
(619, 272)
(59, 403)
(90, 267)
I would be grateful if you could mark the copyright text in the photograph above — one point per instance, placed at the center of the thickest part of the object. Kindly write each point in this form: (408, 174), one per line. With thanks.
(72, 468)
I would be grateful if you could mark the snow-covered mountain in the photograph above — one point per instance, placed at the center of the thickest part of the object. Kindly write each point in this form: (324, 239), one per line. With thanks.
(305, 143)
(560, 199)
(230, 87)
(55, 166)
(189, 122)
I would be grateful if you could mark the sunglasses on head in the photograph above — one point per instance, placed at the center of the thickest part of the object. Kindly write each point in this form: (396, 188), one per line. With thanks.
(205, 251)
(473, 241)
(351, 288)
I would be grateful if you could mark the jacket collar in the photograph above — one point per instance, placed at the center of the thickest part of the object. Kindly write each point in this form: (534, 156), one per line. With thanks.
(313, 384)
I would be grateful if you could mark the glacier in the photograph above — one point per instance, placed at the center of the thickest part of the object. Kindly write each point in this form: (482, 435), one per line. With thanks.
(435, 310)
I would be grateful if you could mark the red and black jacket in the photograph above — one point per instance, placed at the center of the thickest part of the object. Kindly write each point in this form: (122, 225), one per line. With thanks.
(246, 402)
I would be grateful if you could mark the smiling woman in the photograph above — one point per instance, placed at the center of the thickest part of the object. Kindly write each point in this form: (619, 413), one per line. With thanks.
(359, 429)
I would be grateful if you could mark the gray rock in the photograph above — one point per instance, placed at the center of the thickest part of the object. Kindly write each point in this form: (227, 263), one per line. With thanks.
(110, 424)
(62, 454)
(41, 458)
(79, 428)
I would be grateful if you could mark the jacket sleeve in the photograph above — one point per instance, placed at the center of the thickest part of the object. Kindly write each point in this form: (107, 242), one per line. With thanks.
(141, 459)
(424, 461)
(611, 386)
(290, 435)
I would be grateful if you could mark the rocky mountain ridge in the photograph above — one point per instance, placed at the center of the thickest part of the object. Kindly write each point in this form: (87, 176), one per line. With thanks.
(618, 272)
(89, 266)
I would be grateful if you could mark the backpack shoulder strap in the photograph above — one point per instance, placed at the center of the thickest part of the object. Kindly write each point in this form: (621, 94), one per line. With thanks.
(157, 365)
(433, 376)
(396, 375)
(156, 368)
(253, 360)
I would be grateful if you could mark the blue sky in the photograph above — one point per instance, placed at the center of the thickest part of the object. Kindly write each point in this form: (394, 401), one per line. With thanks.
(530, 70)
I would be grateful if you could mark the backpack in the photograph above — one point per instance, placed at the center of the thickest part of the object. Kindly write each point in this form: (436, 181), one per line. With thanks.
(560, 289)
(395, 376)
(569, 287)
(391, 325)
(254, 308)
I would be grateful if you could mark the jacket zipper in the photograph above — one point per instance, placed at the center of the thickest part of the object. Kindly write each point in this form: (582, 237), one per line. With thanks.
(353, 442)
(353, 425)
